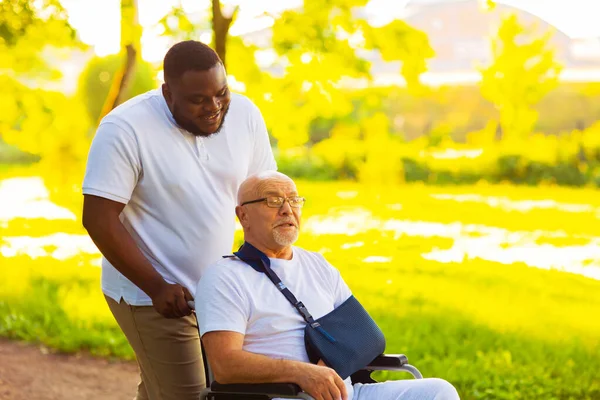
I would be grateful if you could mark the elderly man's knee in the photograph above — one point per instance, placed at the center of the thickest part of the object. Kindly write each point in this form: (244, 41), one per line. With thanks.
(443, 389)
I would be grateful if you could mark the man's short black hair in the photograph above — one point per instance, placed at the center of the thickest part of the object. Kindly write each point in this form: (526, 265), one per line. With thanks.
(189, 55)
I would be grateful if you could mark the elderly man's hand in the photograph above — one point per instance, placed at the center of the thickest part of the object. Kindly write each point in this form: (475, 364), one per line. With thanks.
(171, 301)
(322, 382)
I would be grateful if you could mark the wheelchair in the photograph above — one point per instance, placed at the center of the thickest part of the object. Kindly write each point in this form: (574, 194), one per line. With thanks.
(260, 391)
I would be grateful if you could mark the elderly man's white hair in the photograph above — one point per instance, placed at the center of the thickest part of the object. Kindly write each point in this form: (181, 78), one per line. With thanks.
(252, 187)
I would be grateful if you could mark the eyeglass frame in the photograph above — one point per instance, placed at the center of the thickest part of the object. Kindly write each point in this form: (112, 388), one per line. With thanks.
(280, 197)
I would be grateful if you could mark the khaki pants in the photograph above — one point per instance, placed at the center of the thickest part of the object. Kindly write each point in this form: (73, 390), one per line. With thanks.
(167, 350)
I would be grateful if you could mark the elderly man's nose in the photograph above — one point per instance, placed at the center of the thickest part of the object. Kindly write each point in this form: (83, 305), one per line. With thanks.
(285, 208)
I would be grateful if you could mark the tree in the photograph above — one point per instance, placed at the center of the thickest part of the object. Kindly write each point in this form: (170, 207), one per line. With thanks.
(131, 34)
(324, 48)
(220, 28)
(522, 72)
(318, 49)
(30, 117)
(47, 124)
(26, 28)
(176, 24)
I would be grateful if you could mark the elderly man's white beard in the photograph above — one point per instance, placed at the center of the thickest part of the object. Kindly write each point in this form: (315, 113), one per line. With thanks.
(285, 238)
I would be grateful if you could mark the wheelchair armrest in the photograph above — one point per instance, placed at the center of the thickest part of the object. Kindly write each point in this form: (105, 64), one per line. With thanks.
(385, 361)
(285, 389)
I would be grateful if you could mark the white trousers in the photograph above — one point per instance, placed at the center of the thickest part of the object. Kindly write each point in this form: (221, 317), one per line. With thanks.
(412, 389)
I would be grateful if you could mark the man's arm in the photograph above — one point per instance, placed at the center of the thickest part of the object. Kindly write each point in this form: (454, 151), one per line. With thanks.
(101, 220)
(113, 170)
(231, 364)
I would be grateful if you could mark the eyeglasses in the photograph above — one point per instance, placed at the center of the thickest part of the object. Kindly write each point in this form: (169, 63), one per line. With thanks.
(277, 202)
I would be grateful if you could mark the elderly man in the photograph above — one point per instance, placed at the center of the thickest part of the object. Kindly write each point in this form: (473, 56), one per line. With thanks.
(252, 334)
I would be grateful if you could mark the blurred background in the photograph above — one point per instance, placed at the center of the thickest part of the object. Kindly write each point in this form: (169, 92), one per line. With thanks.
(449, 151)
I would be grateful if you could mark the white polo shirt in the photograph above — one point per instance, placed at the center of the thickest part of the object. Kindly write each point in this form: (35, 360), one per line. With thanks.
(179, 190)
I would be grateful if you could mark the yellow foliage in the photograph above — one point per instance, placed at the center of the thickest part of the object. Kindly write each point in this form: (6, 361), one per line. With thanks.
(590, 139)
(398, 41)
(318, 48)
(523, 71)
(27, 29)
(344, 146)
(48, 124)
(382, 153)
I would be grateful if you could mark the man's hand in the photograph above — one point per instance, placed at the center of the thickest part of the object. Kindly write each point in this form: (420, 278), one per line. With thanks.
(101, 218)
(171, 300)
(322, 382)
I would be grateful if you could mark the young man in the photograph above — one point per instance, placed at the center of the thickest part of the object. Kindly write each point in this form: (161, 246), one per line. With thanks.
(252, 334)
(160, 187)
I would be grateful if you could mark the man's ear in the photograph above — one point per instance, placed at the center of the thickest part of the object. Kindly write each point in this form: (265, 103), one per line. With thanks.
(166, 93)
(242, 215)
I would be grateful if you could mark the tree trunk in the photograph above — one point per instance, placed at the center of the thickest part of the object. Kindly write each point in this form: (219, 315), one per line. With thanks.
(120, 82)
(131, 33)
(220, 28)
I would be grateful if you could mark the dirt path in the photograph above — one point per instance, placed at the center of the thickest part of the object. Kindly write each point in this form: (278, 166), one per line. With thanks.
(29, 372)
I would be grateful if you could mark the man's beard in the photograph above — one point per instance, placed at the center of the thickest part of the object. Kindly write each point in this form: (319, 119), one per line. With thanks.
(285, 239)
(189, 126)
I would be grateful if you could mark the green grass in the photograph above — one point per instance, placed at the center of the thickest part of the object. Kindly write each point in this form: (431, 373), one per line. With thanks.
(495, 331)
(59, 304)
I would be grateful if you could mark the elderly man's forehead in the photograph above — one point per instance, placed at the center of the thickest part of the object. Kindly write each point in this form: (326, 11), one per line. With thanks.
(275, 186)
(255, 186)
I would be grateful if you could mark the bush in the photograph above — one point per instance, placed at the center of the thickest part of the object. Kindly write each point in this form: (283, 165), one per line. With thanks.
(570, 159)
(306, 166)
